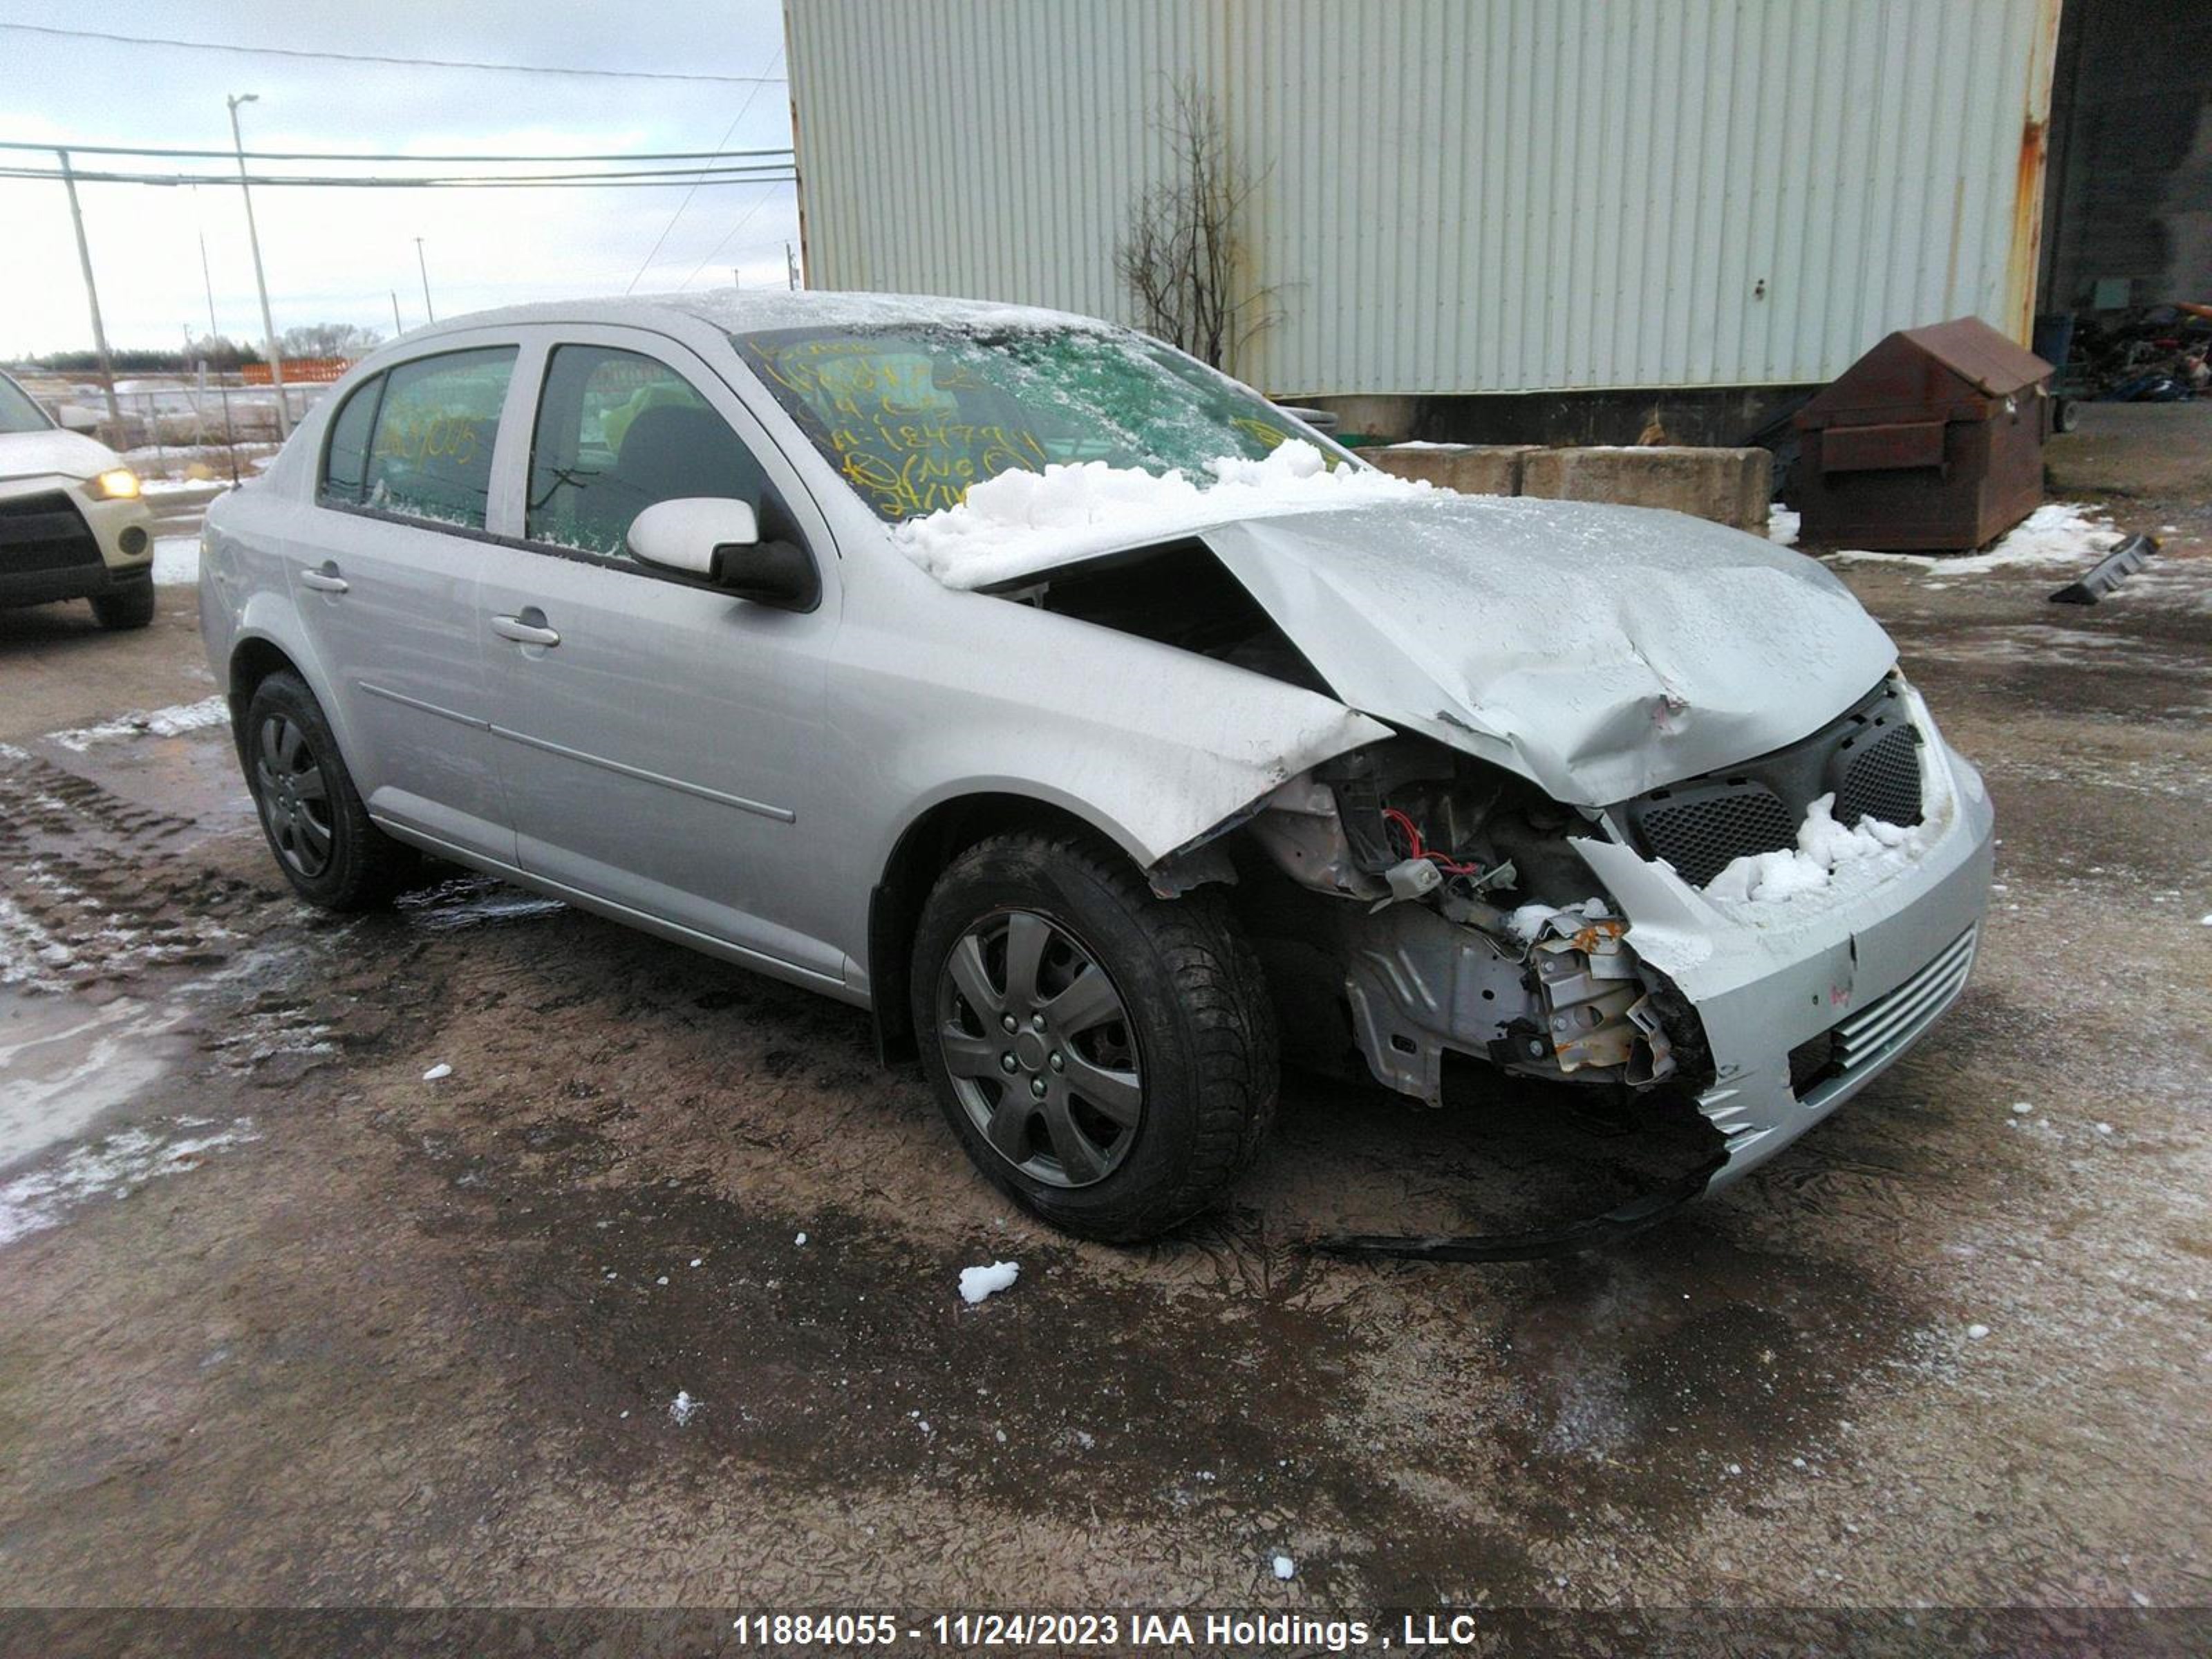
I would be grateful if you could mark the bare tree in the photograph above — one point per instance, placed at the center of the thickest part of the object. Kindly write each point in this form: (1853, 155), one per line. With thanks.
(1181, 256)
(328, 340)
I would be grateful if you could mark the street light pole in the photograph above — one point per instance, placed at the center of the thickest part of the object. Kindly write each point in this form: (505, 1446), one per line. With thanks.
(254, 236)
(422, 266)
(92, 297)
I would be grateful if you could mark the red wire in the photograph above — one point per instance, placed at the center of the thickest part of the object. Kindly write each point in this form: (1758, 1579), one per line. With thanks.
(1415, 848)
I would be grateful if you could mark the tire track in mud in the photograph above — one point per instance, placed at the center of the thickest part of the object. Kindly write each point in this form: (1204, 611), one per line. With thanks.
(94, 891)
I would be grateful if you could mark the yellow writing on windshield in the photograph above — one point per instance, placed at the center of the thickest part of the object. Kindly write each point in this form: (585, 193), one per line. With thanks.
(892, 419)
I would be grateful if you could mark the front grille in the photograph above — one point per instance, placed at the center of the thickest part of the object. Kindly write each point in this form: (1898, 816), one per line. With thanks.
(1897, 1017)
(1882, 778)
(1701, 832)
(44, 532)
(1868, 758)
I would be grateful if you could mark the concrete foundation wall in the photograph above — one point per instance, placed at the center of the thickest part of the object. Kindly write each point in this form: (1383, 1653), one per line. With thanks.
(1728, 486)
(1471, 469)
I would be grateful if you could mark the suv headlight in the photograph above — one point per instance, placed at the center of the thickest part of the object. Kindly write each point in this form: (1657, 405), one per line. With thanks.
(118, 483)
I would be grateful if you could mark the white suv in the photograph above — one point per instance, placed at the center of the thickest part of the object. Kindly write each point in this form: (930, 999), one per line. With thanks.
(72, 526)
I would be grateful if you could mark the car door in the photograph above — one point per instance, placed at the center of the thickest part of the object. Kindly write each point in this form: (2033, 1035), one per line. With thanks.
(387, 587)
(659, 742)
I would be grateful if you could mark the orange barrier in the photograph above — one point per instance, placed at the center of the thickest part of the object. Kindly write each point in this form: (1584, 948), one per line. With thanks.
(298, 371)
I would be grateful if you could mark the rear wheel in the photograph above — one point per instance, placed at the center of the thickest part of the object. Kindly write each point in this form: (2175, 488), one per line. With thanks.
(127, 607)
(1107, 1057)
(310, 810)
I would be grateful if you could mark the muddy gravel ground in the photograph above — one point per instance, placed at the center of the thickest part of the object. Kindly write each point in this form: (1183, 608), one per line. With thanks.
(285, 1324)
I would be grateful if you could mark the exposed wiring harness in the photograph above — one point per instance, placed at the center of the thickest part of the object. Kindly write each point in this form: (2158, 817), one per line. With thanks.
(1415, 848)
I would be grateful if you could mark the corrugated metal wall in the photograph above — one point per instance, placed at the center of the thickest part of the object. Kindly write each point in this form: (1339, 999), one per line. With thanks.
(1456, 196)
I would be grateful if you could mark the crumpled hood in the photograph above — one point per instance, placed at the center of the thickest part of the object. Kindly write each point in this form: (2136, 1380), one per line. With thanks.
(1601, 651)
(52, 453)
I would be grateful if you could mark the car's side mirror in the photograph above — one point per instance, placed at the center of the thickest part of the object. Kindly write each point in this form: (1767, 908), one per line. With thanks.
(71, 418)
(716, 541)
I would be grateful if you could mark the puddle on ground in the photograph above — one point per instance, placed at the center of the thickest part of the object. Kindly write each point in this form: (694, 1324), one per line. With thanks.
(65, 1061)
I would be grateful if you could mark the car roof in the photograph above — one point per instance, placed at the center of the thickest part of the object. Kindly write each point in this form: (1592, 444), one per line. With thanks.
(734, 312)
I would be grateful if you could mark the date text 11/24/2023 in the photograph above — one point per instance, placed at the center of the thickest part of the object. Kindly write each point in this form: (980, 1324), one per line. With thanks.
(1260, 1633)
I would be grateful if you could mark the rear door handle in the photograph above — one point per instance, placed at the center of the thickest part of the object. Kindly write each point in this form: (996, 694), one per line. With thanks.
(523, 631)
(324, 581)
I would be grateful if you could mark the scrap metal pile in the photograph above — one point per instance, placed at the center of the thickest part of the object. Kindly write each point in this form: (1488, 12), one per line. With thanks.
(2150, 354)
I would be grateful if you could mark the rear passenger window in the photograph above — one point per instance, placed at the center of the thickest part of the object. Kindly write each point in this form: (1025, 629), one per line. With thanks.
(617, 432)
(429, 456)
(345, 457)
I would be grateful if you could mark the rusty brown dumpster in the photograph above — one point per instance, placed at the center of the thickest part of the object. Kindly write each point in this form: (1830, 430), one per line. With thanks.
(1932, 441)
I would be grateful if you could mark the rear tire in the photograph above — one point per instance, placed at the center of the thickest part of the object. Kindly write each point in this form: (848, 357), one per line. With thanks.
(310, 811)
(1138, 1079)
(128, 607)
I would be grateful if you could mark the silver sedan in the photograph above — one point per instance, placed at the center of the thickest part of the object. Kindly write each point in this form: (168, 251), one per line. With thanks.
(1107, 733)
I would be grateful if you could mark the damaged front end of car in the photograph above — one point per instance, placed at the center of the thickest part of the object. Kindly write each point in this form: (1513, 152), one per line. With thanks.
(1596, 714)
(1418, 906)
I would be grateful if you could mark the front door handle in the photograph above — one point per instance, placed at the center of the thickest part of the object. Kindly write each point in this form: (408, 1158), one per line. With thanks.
(528, 629)
(324, 581)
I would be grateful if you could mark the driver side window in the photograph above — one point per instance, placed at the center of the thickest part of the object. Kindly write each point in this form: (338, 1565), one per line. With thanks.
(616, 433)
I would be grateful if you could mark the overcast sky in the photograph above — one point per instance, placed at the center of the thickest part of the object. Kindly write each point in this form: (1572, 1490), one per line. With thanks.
(340, 255)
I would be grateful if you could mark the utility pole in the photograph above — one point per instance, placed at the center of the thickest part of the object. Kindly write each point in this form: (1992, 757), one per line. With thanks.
(736, 276)
(422, 266)
(254, 236)
(790, 266)
(398, 328)
(92, 297)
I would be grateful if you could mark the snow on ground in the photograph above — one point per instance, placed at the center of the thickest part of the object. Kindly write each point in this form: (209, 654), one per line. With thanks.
(1823, 846)
(683, 1408)
(173, 722)
(977, 1283)
(1019, 523)
(2056, 533)
(113, 1168)
(176, 561)
(1782, 525)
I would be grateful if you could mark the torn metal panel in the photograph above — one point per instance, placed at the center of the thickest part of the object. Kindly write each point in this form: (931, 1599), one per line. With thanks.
(1601, 651)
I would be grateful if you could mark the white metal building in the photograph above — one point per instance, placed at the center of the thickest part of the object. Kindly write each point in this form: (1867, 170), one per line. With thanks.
(1457, 197)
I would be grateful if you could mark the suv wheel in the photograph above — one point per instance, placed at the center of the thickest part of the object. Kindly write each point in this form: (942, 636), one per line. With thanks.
(1107, 1057)
(310, 810)
(127, 607)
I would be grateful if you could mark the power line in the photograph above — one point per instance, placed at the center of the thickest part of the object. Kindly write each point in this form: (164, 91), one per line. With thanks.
(744, 110)
(658, 180)
(366, 156)
(376, 57)
(731, 234)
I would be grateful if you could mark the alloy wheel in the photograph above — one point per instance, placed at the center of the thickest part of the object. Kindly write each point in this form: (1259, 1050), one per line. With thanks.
(1041, 1048)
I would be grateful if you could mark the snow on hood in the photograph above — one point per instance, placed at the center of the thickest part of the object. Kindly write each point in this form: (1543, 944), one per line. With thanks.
(1601, 651)
(1020, 523)
(52, 453)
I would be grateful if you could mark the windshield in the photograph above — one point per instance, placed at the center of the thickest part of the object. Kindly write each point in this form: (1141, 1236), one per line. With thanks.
(17, 412)
(912, 416)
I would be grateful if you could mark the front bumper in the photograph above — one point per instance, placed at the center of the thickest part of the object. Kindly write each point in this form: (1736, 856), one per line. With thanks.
(58, 542)
(1875, 966)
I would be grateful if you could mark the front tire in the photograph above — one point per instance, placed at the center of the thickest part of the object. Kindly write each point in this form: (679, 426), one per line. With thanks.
(310, 811)
(1107, 1057)
(127, 607)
